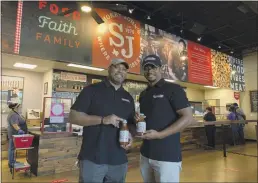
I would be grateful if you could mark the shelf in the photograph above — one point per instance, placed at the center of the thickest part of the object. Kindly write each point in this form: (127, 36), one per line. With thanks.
(67, 90)
(26, 148)
(21, 166)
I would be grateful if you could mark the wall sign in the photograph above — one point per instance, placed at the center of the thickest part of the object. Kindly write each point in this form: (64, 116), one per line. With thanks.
(57, 113)
(68, 76)
(199, 60)
(48, 35)
(254, 100)
(171, 49)
(220, 69)
(237, 79)
(237, 95)
(119, 37)
(8, 23)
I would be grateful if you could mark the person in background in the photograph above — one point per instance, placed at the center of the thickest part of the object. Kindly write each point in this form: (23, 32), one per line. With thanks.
(210, 129)
(100, 108)
(236, 128)
(239, 111)
(16, 126)
(240, 116)
(167, 112)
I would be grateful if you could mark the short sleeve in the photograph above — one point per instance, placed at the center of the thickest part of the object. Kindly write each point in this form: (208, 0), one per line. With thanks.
(14, 119)
(178, 98)
(83, 101)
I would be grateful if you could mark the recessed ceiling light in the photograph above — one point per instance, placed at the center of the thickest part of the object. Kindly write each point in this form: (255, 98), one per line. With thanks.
(26, 66)
(199, 38)
(232, 52)
(219, 47)
(148, 17)
(214, 87)
(86, 9)
(131, 11)
(85, 67)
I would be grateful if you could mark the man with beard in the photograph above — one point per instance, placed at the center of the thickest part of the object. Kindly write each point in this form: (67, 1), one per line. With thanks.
(100, 108)
(167, 112)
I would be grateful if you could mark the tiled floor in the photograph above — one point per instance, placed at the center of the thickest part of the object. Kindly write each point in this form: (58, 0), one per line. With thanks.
(198, 166)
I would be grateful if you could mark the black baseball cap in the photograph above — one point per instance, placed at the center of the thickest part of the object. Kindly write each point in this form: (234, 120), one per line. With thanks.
(151, 60)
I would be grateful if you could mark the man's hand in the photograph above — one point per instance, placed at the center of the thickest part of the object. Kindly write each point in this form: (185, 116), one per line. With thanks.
(137, 117)
(151, 134)
(128, 146)
(112, 120)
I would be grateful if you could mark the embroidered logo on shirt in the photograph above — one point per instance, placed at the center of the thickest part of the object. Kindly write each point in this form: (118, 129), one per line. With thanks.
(158, 96)
(126, 100)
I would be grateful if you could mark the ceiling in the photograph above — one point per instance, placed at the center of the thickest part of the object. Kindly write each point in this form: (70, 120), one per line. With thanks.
(231, 25)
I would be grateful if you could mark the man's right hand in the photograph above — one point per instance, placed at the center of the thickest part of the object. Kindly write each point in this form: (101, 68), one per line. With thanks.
(112, 120)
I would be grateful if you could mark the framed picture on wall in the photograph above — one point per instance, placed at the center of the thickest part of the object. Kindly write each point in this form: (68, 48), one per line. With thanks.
(254, 100)
(11, 91)
(45, 88)
(33, 113)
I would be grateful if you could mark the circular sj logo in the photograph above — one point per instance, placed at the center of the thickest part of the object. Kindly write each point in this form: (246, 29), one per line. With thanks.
(118, 37)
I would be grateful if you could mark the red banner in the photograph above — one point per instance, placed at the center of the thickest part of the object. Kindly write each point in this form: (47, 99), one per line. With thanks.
(199, 60)
(118, 37)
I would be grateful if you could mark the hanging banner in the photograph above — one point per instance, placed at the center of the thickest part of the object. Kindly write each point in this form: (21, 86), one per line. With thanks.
(237, 79)
(199, 60)
(8, 25)
(171, 49)
(118, 37)
(48, 35)
(221, 70)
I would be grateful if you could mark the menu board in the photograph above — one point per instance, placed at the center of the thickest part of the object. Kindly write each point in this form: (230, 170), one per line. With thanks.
(221, 70)
(8, 23)
(119, 37)
(171, 49)
(199, 61)
(237, 79)
(48, 35)
(254, 100)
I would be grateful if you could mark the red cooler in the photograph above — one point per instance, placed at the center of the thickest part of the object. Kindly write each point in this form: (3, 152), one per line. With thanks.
(22, 141)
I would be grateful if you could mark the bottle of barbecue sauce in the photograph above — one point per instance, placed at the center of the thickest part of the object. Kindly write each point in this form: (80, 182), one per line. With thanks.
(124, 134)
(141, 125)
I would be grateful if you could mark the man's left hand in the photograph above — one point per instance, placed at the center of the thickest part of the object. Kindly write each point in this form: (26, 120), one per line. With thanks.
(151, 134)
(129, 145)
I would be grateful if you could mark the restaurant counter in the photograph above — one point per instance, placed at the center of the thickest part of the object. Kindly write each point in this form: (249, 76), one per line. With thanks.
(53, 153)
(57, 152)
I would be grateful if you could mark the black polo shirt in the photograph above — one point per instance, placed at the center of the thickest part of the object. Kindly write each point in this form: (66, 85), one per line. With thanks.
(159, 104)
(101, 142)
(209, 117)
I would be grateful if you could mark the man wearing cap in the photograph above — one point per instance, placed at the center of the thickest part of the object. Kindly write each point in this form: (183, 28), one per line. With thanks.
(100, 108)
(167, 112)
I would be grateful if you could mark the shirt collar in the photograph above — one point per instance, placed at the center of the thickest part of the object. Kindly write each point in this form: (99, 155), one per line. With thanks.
(108, 84)
(159, 84)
